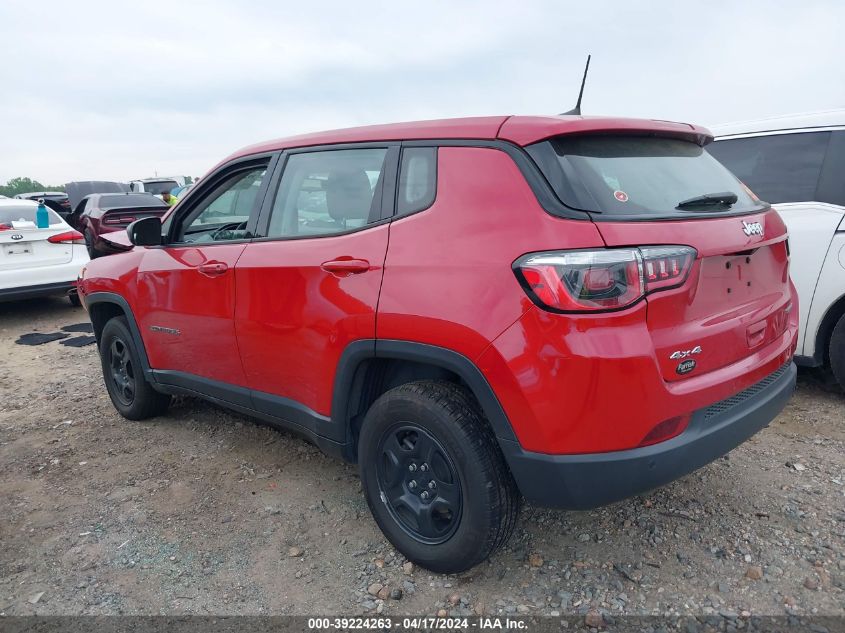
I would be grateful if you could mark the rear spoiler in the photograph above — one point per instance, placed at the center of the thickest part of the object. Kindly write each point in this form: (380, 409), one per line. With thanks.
(528, 130)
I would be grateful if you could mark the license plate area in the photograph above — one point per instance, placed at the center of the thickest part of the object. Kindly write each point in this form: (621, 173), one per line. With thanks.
(24, 248)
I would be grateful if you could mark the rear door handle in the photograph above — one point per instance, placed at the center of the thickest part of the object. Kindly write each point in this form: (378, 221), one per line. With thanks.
(213, 269)
(346, 267)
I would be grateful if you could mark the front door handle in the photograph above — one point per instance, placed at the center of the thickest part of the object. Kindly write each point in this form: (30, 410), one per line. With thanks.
(346, 267)
(213, 269)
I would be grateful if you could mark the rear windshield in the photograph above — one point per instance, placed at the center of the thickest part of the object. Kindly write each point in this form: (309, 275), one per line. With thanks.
(160, 186)
(632, 175)
(130, 200)
(22, 217)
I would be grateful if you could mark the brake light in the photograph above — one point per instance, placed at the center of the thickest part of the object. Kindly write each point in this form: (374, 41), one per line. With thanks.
(126, 219)
(73, 237)
(666, 266)
(603, 279)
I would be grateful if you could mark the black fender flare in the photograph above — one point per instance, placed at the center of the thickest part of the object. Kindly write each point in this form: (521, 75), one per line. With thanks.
(112, 297)
(359, 351)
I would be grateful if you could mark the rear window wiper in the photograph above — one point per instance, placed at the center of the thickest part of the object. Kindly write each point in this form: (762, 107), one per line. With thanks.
(725, 198)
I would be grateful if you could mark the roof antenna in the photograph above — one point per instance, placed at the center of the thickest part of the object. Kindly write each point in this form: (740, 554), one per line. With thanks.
(577, 109)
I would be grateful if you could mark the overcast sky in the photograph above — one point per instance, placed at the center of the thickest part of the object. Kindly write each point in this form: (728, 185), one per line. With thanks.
(121, 90)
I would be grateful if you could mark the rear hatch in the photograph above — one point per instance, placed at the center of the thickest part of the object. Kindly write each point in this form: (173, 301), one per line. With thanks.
(76, 191)
(735, 301)
(23, 245)
(708, 307)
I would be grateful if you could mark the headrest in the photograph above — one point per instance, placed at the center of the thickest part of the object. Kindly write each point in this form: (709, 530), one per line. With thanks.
(348, 195)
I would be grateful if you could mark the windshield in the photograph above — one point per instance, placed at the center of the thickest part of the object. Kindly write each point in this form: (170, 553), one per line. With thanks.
(632, 175)
(23, 217)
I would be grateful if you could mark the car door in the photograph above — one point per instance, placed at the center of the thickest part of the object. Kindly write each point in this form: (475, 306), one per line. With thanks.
(186, 288)
(310, 284)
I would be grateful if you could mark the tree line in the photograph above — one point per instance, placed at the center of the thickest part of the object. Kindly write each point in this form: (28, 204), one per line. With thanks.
(24, 185)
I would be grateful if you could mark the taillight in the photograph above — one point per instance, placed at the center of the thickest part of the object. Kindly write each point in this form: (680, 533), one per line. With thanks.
(604, 279)
(74, 237)
(126, 219)
(666, 266)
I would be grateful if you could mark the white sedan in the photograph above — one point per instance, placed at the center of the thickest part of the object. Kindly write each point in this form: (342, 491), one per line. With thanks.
(36, 261)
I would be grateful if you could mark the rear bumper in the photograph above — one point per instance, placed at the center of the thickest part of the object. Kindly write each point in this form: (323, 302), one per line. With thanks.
(586, 481)
(41, 290)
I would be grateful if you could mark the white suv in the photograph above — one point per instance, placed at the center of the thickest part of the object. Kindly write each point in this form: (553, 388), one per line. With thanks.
(157, 186)
(797, 163)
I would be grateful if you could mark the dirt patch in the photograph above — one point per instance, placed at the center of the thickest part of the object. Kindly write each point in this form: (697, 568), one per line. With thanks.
(204, 511)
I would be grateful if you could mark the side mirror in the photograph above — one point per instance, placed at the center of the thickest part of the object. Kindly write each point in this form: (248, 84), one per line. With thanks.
(145, 232)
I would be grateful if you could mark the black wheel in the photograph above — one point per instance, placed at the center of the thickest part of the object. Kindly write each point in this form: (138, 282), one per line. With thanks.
(434, 477)
(89, 244)
(130, 393)
(837, 352)
(74, 299)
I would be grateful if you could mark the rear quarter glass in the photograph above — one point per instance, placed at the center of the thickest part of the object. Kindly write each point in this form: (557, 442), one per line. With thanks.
(637, 176)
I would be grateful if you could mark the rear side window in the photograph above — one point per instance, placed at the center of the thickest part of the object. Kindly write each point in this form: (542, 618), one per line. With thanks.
(637, 176)
(417, 179)
(328, 192)
(778, 168)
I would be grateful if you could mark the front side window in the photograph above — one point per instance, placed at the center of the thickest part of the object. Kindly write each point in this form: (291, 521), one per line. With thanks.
(328, 192)
(778, 168)
(642, 176)
(224, 213)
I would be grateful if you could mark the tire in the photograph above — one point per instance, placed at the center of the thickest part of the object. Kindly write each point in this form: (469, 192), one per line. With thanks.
(89, 244)
(434, 431)
(74, 299)
(837, 352)
(130, 393)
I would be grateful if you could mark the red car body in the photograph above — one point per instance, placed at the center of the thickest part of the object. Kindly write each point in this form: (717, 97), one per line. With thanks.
(587, 406)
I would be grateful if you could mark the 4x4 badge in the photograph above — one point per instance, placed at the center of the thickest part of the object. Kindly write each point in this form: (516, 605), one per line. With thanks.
(686, 352)
(752, 228)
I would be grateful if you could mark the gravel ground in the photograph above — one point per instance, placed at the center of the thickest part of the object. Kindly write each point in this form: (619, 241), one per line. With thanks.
(205, 512)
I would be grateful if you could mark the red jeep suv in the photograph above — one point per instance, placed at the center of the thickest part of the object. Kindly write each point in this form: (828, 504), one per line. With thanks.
(568, 309)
